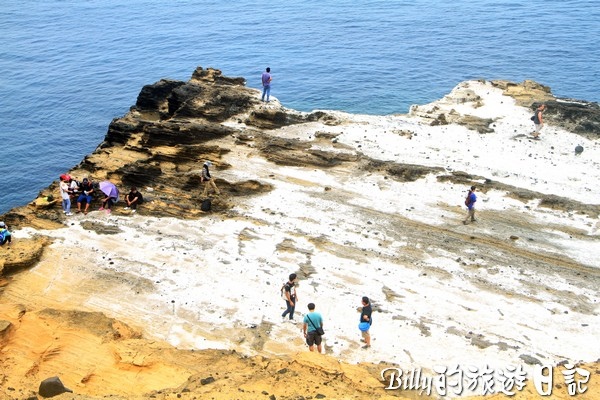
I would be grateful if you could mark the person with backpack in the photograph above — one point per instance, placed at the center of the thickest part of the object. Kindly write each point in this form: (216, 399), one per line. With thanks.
(470, 203)
(313, 328)
(207, 179)
(291, 297)
(538, 120)
(5, 235)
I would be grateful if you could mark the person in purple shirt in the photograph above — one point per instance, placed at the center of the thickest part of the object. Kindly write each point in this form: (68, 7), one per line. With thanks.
(470, 203)
(266, 82)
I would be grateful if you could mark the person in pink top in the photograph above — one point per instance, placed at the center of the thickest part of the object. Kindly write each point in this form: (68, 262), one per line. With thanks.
(266, 82)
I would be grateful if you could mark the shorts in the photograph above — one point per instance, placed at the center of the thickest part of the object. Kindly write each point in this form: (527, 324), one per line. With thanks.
(365, 334)
(312, 338)
(84, 197)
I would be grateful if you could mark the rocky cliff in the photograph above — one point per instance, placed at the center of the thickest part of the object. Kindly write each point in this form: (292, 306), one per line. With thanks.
(173, 302)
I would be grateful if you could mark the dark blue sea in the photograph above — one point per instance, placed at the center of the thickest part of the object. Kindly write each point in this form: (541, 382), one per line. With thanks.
(67, 68)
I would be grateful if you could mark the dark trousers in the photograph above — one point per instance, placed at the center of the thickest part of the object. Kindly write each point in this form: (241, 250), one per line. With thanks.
(108, 203)
(290, 309)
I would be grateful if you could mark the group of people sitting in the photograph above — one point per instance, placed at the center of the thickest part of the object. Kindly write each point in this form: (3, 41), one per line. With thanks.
(84, 193)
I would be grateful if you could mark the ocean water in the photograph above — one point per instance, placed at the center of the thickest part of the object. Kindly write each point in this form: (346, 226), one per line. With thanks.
(67, 68)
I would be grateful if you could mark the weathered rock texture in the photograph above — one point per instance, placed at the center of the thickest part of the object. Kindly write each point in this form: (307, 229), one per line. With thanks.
(159, 146)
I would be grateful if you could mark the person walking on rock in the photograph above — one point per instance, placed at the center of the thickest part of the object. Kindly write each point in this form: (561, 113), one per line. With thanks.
(366, 321)
(313, 323)
(266, 82)
(207, 179)
(291, 297)
(538, 120)
(470, 203)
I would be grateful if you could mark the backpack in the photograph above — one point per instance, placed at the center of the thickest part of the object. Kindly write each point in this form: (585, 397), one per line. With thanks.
(206, 205)
(468, 199)
(283, 296)
(535, 118)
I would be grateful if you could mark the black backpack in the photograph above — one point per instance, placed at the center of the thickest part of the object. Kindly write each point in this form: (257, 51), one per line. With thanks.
(206, 205)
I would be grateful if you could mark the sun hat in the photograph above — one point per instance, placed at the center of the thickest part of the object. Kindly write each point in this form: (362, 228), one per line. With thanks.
(207, 163)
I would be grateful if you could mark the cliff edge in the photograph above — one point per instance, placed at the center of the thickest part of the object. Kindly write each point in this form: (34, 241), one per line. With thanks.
(175, 302)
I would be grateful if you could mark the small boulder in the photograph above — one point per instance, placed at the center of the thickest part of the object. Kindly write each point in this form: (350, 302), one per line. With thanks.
(578, 149)
(208, 380)
(53, 387)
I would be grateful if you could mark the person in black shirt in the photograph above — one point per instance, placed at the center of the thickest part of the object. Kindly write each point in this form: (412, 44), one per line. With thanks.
(86, 188)
(133, 198)
(365, 316)
(290, 297)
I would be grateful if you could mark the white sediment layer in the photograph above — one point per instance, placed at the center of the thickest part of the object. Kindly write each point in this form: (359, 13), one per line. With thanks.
(214, 282)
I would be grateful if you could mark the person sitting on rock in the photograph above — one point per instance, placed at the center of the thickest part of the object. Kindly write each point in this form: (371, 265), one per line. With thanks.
(107, 203)
(133, 198)
(207, 179)
(5, 236)
(87, 188)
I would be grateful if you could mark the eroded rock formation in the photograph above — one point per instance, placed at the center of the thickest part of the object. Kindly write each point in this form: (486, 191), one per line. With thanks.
(160, 145)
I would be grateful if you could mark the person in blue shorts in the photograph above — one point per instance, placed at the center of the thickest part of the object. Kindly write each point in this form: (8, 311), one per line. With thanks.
(365, 316)
(86, 190)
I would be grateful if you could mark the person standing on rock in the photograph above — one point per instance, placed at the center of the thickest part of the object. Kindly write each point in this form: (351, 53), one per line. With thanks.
(538, 120)
(291, 297)
(470, 203)
(366, 321)
(207, 179)
(65, 194)
(266, 83)
(313, 323)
